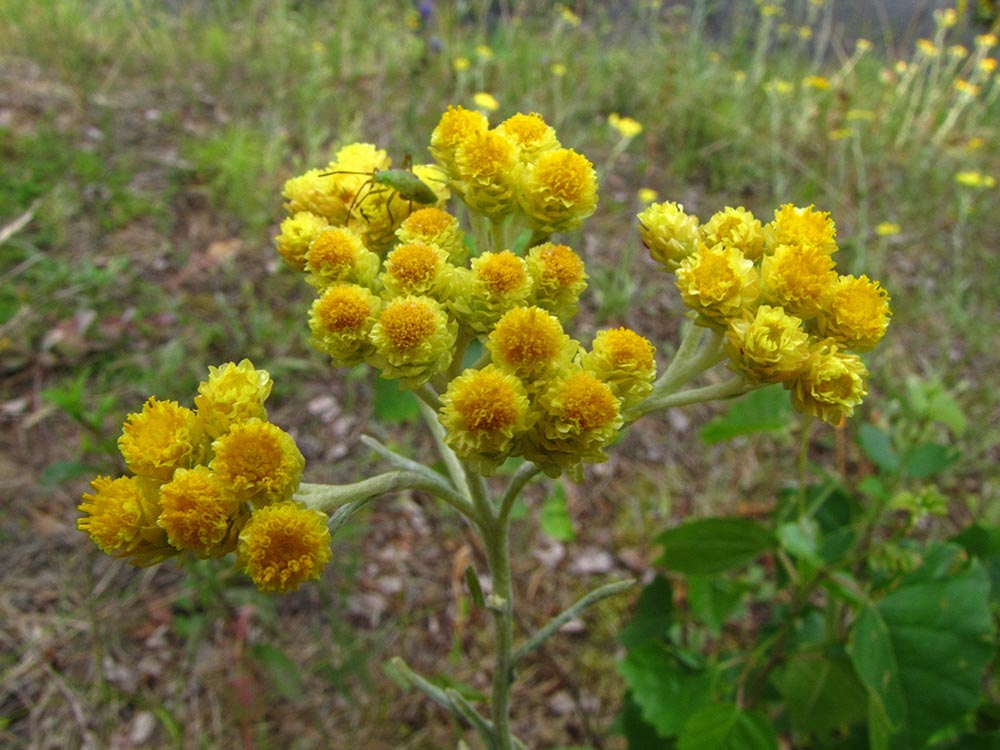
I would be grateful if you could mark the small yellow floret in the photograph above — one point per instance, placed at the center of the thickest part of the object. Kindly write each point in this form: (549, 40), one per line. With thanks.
(413, 339)
(530, 343)
(233, 393)
(808, 227)
(735, 227)
(559, 278)
(718, 282)
(578, 415)
(855, 314)
(769, 346)
(830, 384)
(531, 133)
(258, 462)
(483, 172)
(284, 545)
(797, 278)
(438, 227)
(339, 254)
(668, 233)
(121, 519)
(502, 274)
(456, 126)
(341, 320)
(558, 191)
(482, 412)
(297, 232)
(198, 514)
(625, 361)
(161, 438)
(414, 268)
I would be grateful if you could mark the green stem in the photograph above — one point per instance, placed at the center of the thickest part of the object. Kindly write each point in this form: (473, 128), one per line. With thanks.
(456, 470)
(327, 497)
(525, 473)
(735, 386)
(497, 538)
(543, 633)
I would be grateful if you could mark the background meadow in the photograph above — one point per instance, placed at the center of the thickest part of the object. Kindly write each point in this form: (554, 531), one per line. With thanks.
(143, 147)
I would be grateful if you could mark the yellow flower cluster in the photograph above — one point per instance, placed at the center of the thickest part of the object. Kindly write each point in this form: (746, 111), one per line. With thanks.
(410, 306)
(208, 481)
(787, 315)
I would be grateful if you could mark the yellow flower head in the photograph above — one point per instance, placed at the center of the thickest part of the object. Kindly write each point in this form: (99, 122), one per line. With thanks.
(668, 233)
(317, 193)
(626, 127)
(830, 384)
(647, 195)
(460, 64)
(483, 172)
(975, 179)
(416, 268)
(927, 48)
(735, 227)
(456, 126)
(485, 100)
(498, 282)
(794, 225)
(855, 313)
(769, 346)
(121, 519)
(482, 412)
(558, 191)
(258, 463)
(198, 515)
(338, 254)
(161, 438)
(625, 361)
(558, 278)
(233, 393)
(578, 415)
(297, 232)
(718, 282)
(887, 229)
(530, 343)
(531, 133)
(438, 227)
(341, 320)
(797, 278)
(284, 545)
(414, 340)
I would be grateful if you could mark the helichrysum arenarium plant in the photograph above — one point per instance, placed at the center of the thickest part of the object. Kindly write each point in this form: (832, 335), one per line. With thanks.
(468, 309)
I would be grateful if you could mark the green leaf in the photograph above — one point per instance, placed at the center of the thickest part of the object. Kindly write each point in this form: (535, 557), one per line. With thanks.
(666, 693)
(639, 733)
(394, 405)
(554, 517)
(284, 672)
(763, 410)
(877, 445)
(821, 693)
(652, 616)
(712, 599)
(928, 459)
(983, 542)
(922, 650)
(713, 545)
(475, 589)
(801, 538)
(727, 727)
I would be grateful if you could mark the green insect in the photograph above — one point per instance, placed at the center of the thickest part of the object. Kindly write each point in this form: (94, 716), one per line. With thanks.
(403, 182)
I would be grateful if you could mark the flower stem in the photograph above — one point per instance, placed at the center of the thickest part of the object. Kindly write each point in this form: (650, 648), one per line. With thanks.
(497, 540)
